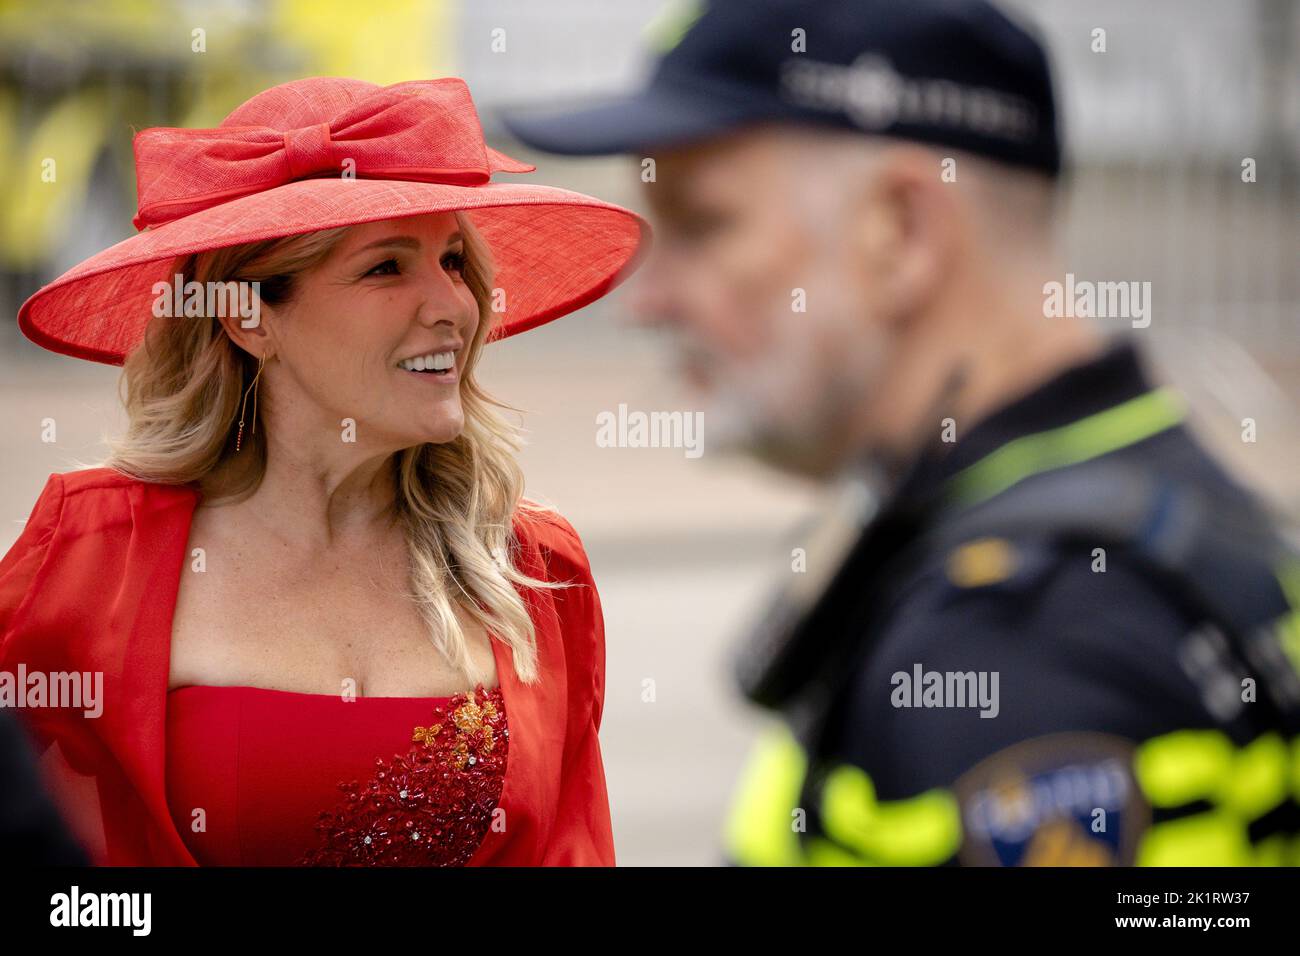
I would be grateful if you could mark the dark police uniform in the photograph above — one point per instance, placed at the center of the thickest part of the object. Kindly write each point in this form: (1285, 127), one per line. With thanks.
(1079, 545)
(1069, 639)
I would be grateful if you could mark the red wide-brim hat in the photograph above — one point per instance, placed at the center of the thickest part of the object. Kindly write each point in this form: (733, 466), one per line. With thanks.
(325, 152)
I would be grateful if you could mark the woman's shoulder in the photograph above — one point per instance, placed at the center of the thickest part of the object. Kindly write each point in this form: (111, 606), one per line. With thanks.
(90, 502)
(553, 535)
(104, 493)
(104, 479)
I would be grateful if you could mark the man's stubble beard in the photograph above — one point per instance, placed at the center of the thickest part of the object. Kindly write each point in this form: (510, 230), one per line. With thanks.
(799, 408)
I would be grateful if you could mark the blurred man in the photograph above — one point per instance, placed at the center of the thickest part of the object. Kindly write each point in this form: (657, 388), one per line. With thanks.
(1064, 636)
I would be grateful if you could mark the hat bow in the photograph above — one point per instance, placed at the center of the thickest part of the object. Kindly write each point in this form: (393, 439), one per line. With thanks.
(422, 130)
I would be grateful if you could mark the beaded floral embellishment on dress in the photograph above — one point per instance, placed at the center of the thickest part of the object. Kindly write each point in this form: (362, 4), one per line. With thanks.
(431, 806)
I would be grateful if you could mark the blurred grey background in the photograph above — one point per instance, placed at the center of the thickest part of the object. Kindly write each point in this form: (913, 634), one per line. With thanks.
(683, 550)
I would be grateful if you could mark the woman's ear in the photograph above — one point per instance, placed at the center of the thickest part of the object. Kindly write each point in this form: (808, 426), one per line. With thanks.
(248, 327)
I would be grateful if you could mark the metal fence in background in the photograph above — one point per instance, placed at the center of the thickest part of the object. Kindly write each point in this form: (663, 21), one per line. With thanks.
(1157, 125)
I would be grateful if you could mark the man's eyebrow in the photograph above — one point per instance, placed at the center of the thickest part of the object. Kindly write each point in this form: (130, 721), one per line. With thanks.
(400, 242)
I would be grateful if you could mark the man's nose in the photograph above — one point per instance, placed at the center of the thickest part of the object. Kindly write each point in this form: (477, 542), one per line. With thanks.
(650, 299)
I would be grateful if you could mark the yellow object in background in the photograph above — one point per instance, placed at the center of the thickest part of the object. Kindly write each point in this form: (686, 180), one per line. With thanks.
(141, 64)
(64, 145)
(395, 40)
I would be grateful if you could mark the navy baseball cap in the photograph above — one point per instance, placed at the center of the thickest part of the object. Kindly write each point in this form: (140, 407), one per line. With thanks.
(955, 73)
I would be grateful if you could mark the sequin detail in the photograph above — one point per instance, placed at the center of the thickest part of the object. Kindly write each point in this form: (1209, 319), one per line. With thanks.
(431, 806)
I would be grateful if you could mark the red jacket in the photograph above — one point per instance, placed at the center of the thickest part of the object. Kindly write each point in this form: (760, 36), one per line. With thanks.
(90, 586)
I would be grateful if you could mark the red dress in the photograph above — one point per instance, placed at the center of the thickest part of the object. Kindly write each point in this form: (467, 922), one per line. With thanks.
(316, 793)
(230, 775)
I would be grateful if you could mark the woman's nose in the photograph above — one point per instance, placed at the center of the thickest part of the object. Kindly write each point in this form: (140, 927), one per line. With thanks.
(443, 303)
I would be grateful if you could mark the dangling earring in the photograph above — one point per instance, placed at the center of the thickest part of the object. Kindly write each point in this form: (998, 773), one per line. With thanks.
(239, 438)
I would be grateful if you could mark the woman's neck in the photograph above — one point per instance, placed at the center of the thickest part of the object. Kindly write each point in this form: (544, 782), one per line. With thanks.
(321, 500)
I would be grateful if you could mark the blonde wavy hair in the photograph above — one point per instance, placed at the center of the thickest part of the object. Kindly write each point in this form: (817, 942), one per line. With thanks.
(182, 389)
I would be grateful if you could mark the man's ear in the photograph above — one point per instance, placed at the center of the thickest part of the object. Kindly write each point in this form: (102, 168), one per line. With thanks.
(905, 231)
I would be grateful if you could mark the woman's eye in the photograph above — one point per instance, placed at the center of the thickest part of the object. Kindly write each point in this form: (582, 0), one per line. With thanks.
(455, 261)
(384, 268)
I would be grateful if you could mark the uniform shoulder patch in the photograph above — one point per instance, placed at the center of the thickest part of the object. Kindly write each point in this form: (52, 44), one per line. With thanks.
(982, 562)
(1066, 799)
(1000, 564)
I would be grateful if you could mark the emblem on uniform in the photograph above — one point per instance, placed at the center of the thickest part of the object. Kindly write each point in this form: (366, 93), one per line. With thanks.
(1062, 800)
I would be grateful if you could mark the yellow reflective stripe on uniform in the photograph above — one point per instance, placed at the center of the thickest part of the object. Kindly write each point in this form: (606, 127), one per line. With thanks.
(1215, 838)
(1295, 769)
(1190, 765)
(920, 831)
(1289, 577)
(1274, 851)
(818, 851)
(1173, 770)
(672, 23)
(1258, 780)
(1288, 626)
(1244, 784)
(1288, 636)
(1106, 431)
(1183, 766)
(760, 827)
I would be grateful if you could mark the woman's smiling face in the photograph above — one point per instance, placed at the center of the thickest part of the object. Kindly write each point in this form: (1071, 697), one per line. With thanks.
(380, 332)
